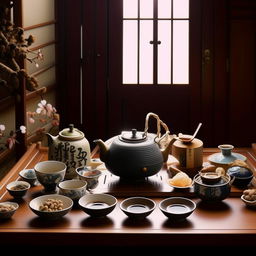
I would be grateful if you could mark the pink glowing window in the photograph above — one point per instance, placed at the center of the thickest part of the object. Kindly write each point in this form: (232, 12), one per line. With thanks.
(156, 42)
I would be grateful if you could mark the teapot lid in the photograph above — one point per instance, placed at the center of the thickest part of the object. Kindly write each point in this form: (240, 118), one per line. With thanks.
(132, 136)
(71, 133)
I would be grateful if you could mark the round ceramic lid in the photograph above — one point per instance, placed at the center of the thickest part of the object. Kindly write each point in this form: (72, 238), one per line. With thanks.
(219, 158)
(71, 133)
(240, 172)
(223, 180)
(132, 136)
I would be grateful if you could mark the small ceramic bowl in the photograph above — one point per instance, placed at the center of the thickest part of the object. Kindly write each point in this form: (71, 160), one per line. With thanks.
(242, 175)
(7, 209)
(49, 173)
(248, 203)
(29, 176)
(18, 188)
(37, 202)
(177, 208)
(90, 175)
(137, 207)
(97, 205)
(72, 188)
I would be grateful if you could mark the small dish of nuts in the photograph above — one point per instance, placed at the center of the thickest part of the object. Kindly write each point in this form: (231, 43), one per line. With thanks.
(7, 209)
(18, 188)
(51, 206)
(249, 197)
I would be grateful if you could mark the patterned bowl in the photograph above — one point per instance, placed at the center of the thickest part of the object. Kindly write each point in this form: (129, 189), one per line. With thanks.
(29, 176)
(90, 175)
(213, 192)
(73, 189)
(49, 173)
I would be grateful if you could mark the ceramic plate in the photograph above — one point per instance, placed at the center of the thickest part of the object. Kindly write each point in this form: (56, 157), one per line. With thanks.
(219, 158)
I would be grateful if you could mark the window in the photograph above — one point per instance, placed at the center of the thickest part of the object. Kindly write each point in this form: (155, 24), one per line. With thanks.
(156, 42)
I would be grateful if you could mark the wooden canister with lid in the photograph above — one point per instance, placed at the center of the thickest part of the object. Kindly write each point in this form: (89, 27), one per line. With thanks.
(189, 155)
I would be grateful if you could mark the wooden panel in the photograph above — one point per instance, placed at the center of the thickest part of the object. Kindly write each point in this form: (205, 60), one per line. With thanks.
(69, 61)
(42, 35)
(242, 108)
(47, 78)
(94, 68)
(220, 93)
(207, 82)
(37, 11)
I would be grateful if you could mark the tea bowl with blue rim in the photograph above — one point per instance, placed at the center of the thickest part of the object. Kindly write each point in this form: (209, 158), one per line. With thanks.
(90, 175)
(29, 176)
(50, 173)
(73, 189)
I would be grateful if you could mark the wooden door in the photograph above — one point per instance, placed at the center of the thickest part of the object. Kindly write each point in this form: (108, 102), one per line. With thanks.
(129, 102)
(242, 96)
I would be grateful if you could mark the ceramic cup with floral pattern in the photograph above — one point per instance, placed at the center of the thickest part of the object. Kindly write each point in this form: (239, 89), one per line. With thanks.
(50, 173)
(73, 189)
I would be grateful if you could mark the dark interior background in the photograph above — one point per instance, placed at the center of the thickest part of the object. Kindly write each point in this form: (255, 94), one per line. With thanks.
(222, 96)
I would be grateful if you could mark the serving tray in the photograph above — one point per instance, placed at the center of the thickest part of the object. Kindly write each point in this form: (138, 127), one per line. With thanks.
(157, 186)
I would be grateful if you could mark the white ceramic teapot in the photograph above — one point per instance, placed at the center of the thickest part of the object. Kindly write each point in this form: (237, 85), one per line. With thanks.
(70, 147)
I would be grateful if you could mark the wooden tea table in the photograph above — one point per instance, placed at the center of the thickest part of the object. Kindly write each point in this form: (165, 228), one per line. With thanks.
(227, 223)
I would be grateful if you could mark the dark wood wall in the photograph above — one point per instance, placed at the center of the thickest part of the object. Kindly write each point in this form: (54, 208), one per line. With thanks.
(223, 99)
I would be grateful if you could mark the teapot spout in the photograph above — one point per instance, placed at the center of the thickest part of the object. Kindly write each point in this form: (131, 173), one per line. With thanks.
(103, 149)
(165, 151)
(50, 138)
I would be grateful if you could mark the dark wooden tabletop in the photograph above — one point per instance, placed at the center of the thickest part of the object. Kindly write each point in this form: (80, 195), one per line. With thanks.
(226, 222)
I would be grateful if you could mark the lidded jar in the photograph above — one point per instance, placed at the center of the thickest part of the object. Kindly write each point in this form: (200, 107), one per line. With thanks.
(70, 147)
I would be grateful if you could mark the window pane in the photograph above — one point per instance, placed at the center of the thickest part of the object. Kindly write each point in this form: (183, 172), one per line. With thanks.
(146, 8)
(130, 8)
(146, 52)
(180, 8)
(130, 51)
(164, 52)
(180, 52)
(164, 8)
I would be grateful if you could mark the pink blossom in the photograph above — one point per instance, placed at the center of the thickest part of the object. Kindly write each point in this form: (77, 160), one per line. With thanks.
(41, 107)
(23, 129)
(31, 120)
(10, 142)
(2, 127)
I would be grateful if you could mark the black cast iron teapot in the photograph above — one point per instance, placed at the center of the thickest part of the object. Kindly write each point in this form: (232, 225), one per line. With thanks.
(135, 154)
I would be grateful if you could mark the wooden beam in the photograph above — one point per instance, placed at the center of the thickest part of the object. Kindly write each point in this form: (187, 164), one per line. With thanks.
(47, 23)
(40, 91)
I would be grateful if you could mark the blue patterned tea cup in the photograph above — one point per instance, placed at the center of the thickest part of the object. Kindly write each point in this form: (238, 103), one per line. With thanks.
(90, 175)
(73, 189)
(50, 173)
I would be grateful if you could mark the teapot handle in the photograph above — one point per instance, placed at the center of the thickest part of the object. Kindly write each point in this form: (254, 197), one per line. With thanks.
(159, 124)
